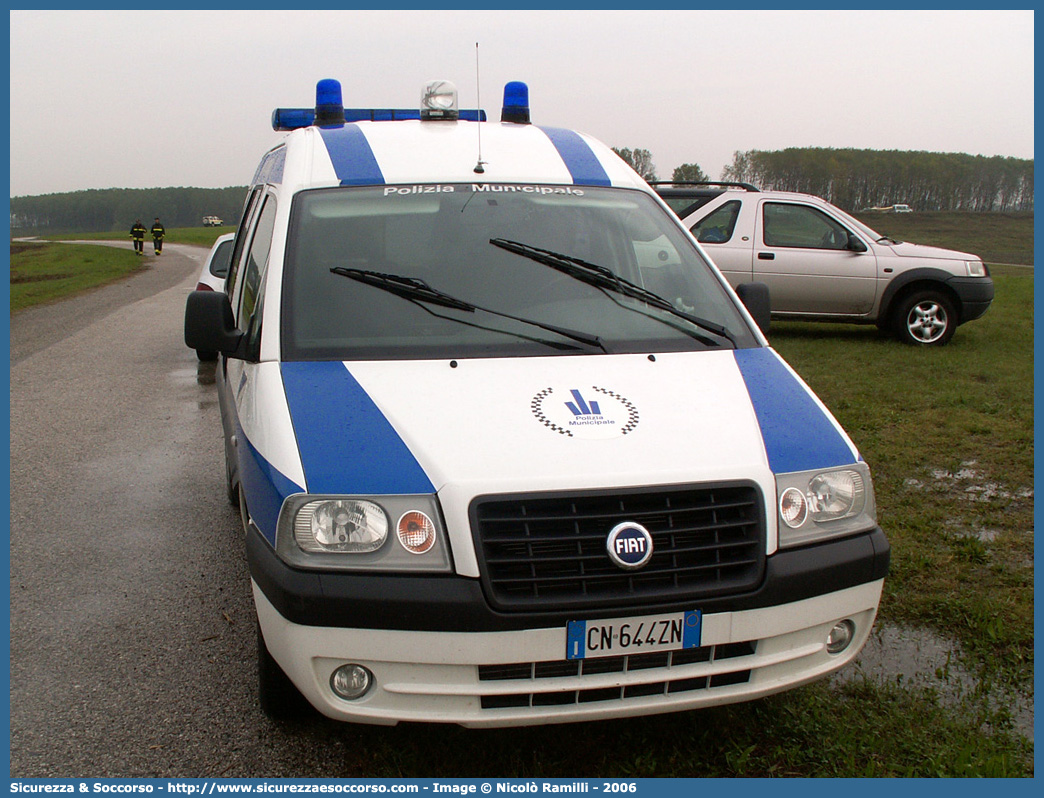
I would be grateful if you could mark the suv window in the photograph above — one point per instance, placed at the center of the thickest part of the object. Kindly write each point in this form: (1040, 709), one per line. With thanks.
(684, 205)
(789, 225)
(717, 228)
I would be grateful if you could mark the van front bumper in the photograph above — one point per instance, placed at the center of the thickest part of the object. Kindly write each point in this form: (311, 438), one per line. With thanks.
(441, 677)
(438, 653)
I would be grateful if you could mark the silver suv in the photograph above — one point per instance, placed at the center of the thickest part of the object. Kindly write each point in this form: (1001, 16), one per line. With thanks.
(822, 264)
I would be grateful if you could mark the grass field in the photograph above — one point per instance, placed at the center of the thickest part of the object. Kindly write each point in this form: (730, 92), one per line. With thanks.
(994, 237)
(42, 272)
(948, 435)
(198, 236)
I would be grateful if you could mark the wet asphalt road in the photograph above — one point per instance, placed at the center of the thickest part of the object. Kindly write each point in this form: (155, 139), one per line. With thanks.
(132, 626)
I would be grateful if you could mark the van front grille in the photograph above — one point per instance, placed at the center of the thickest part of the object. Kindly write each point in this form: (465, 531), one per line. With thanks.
(549, 550)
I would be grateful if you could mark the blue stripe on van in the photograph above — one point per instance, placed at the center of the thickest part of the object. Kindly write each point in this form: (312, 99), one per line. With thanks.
(798, 436)
(263, 485)
(578, 156)
(353, 160)
(346, 443)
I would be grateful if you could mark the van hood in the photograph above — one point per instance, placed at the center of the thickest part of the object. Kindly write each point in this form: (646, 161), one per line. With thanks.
(512, 425)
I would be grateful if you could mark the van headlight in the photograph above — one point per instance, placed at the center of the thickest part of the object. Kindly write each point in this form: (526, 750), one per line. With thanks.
(340, 525)
(976, 268)
(385, 533)
(822, 504)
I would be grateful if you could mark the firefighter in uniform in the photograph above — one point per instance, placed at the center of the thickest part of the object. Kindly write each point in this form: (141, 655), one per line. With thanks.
(138, 234)
(157, 236)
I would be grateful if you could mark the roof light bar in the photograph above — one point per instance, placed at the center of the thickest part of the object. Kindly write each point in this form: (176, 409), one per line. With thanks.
(293, 118)
(440, 96)
(516, 103)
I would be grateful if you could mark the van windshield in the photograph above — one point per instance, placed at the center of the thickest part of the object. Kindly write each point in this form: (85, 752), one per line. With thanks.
(486, 270)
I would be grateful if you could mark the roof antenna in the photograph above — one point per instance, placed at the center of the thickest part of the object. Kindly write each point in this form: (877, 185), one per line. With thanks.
(479, 167)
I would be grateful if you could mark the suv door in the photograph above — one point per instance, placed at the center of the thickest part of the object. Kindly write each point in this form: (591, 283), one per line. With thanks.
(802, 253)
(725, 234)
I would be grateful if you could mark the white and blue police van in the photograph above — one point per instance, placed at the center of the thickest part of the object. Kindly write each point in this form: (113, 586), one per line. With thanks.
(506, 446)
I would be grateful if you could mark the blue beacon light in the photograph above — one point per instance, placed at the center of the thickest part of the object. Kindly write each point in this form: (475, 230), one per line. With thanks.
(516, 103)
(329, 110)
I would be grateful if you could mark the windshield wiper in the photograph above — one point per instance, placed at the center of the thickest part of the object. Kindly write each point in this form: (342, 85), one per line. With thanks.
(605, 279)
(888, 240)
(416, 290)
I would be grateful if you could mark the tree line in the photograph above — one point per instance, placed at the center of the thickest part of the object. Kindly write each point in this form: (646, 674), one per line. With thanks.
(851, 179)
(116, 209)
(859, 179)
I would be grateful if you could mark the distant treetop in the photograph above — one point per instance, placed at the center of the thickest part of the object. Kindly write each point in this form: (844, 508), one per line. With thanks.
(859, 179)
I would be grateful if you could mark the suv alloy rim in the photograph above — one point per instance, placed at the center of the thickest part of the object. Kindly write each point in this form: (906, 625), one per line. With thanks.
(927, 321)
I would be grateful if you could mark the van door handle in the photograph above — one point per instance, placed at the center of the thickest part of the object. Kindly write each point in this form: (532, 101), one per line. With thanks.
(766, 256)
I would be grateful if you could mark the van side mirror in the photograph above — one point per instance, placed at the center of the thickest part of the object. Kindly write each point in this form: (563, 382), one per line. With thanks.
(855, 244)
(755, 298)
(210, 325)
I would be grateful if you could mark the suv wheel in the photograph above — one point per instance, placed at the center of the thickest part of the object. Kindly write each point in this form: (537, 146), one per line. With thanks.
(278, 697)
(926, 318)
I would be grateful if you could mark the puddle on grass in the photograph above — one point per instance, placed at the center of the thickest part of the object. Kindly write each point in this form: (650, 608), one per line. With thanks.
(970, 481)
(978, 533)
(920, 659)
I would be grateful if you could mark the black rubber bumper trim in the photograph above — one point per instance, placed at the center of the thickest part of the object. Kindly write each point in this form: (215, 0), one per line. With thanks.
(975, 293)
(456, 604)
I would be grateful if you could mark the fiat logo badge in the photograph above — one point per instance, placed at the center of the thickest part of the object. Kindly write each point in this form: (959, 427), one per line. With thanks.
(629, 545)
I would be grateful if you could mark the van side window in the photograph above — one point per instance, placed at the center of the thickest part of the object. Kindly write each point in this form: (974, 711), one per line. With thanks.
(717, 228)
(240, 241)
(788, 225)
(250, 304)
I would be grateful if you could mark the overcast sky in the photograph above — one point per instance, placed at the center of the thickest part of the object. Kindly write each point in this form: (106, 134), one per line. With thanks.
(144, 99)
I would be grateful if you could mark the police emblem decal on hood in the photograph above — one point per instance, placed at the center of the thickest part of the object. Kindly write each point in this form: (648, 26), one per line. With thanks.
(590, 412)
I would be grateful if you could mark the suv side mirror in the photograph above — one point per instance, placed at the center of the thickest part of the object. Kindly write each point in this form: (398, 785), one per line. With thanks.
(854, 243)
(755, 298)
(209, 323)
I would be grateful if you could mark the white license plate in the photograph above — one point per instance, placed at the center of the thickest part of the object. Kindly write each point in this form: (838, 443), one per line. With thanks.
(619, 636)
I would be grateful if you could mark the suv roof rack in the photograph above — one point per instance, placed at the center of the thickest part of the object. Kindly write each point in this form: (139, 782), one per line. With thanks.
(681, 183)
